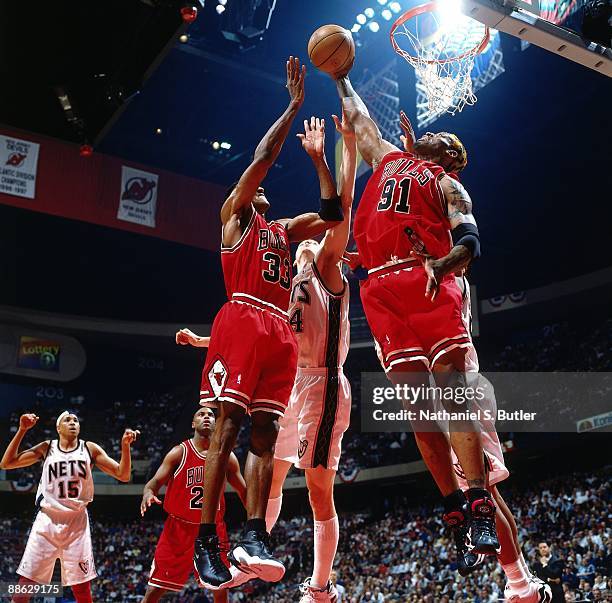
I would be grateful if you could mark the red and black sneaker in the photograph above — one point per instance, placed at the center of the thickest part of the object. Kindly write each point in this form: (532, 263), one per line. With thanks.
(459, 523)
(482, 538)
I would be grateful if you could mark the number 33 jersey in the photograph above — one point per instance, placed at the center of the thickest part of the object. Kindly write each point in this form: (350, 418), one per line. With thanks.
(66, 483)
(402, 192)
(185, 491)
(258, 266)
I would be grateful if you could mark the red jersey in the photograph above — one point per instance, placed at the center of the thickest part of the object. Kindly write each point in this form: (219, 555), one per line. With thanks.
(259, 264)
(185, 489)
(402, 192)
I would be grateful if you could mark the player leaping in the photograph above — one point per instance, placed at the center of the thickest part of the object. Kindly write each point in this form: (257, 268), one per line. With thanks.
(182, 470)
(61, 527)
(319, 409)
(411, 204)
(252, 359)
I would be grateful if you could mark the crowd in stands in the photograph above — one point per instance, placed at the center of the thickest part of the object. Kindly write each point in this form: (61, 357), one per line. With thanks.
(401, 554)
(552, 347)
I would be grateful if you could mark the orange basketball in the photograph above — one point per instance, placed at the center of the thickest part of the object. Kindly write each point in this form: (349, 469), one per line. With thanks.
(331, 48)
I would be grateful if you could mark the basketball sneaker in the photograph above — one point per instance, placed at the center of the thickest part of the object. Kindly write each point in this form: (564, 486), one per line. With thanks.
(310, 594)
(238, 577)
(459, 524)
(209, 569)
(482, 537)
(536, 592)
(252, 555)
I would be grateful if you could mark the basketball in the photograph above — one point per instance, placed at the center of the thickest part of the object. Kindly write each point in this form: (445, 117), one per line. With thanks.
(331, 48)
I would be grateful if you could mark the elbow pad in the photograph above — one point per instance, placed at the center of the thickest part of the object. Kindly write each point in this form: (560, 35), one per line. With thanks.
(331, 210)
(468, 236)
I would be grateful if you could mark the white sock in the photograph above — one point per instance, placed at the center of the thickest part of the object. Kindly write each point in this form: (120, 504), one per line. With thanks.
(518, 578)
(326, 535)
(273, 511)
(522, 561)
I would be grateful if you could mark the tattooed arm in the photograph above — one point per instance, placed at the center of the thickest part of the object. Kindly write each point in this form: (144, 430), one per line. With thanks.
(459, 209)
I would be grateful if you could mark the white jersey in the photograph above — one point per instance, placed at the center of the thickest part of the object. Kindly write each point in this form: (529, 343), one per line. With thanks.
(319, 319)
(66, 484)
(490, 440)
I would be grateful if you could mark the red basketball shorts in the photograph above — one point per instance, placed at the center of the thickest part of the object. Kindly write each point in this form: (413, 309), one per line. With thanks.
(173, 561)
(409, 329)
(252, 358)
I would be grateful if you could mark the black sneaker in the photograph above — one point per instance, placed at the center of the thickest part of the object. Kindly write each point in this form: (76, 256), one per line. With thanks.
(483, 535)
(459, 523)
(252, 554)
(209, 569)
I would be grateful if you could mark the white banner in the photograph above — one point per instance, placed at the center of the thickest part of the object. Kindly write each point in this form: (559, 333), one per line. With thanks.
(18, 162)
(138, 200)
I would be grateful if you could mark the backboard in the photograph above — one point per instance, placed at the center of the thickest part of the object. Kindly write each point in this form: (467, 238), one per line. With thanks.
(537, 22)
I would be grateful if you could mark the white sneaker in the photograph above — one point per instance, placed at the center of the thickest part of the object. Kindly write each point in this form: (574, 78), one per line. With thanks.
(310, 594)
(536, 592)
(238, 577)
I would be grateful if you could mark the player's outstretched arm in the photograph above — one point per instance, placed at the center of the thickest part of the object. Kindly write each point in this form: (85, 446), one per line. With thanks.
(310, 225)
(169, 465)
(465, 237)
(235, 479)
(188, 337)
(121, 470)
(269, 147)
(370, 142)
(12, 458)
(334, 243)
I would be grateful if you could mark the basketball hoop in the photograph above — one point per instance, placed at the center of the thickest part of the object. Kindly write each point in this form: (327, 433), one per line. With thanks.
(442, 48)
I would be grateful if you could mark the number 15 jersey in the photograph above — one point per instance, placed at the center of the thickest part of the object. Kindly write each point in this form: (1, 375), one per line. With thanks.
(259, 264)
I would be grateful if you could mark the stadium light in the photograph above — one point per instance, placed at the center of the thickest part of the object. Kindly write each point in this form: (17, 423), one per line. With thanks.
(382, 2)
(361, 19)
(369, 12)
(374, 26)
(215, 145)
(220, 9)
(387, 14)
(356, 27)
(396, 7)
(450, 13)
(223, 2)
(226, 146)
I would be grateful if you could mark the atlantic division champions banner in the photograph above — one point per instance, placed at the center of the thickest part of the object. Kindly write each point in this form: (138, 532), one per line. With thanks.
(18, 163)
(138, 199)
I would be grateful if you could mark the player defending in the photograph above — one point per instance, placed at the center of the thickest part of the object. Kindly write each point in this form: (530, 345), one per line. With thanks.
(61, 527)
(183, 471)
(410, 205)
(319, 409)
(251, 363)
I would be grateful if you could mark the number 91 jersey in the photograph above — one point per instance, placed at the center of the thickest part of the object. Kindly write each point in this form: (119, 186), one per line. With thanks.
(402, 193)
(259, 264)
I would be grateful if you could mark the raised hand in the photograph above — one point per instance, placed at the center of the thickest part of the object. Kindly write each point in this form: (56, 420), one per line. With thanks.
(28, 421)
(408, 138)
(186, 337)
(295, 80)
(148, 498)
(313, 139)
(344, 127)
(129, 436)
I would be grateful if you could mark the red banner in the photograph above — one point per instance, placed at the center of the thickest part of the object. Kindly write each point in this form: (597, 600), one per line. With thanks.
(90, 189)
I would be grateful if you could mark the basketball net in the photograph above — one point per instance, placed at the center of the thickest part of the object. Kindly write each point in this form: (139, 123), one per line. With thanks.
(442, 52)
